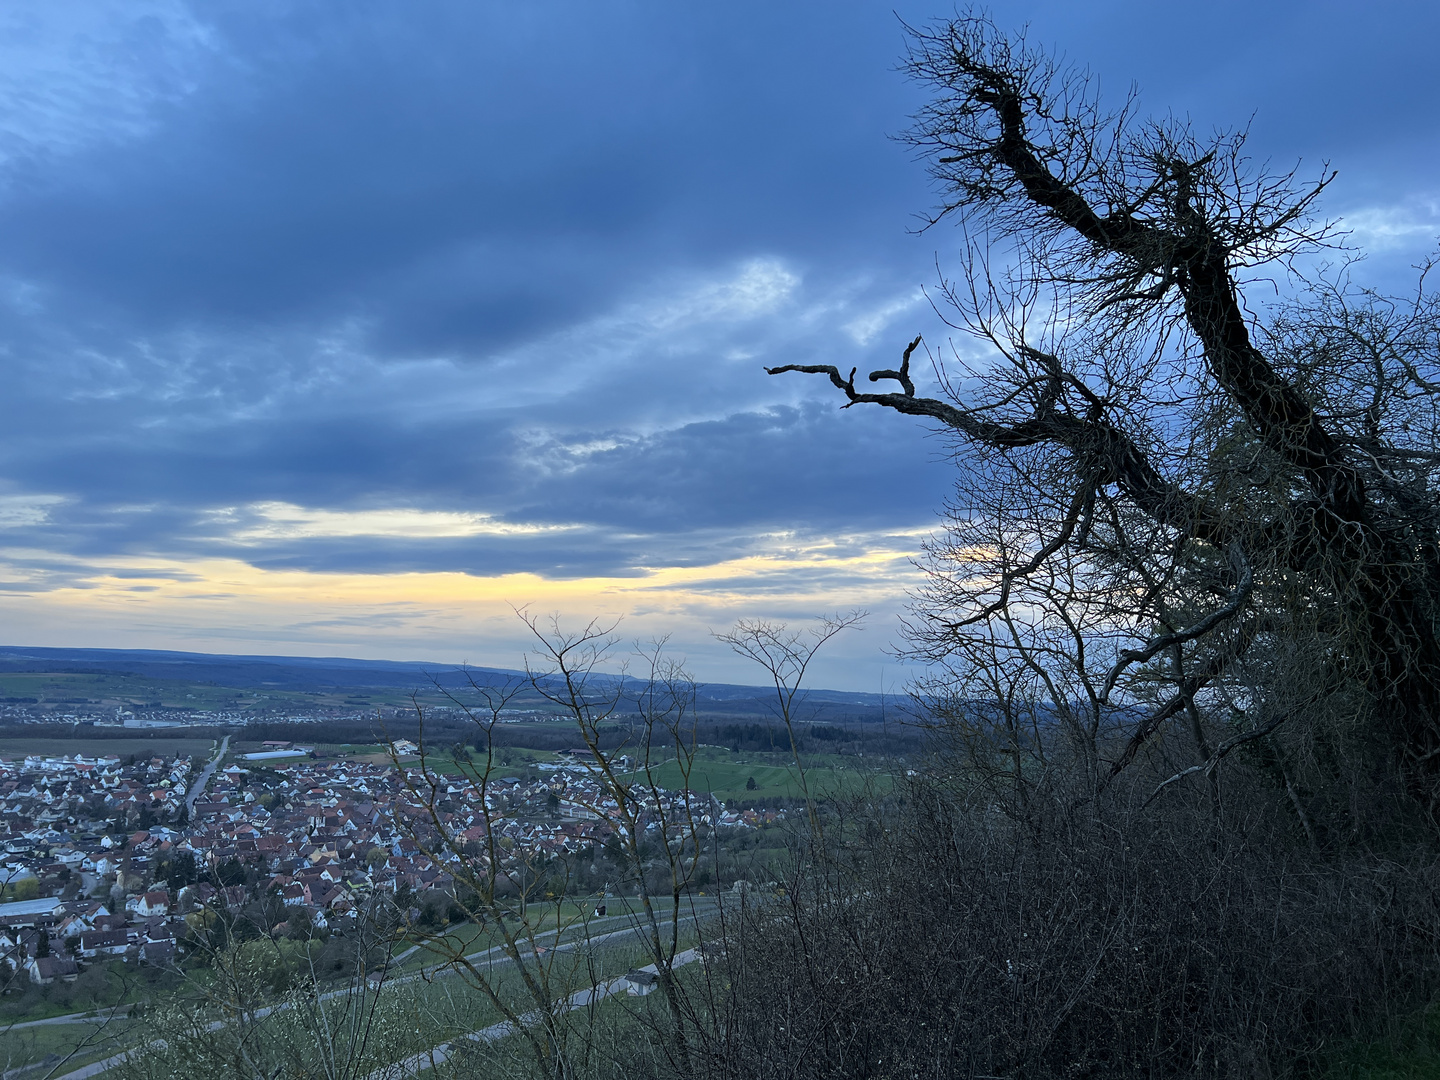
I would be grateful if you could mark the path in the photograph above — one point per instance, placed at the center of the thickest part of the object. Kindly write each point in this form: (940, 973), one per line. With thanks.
(439, 1055)
(198, 788)
(576, 1000)
(119, 1012)
(635, 919)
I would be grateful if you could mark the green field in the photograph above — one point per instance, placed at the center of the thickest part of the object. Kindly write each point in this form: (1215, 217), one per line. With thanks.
(57, 690)
(410, 1015)
(60, 691)
(93, 747)
(522, 762)
(576, 920)
(79, 1043)
(715, 769)
(726, 774)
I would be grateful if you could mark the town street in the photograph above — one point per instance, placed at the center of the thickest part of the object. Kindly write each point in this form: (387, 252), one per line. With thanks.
(199, 786)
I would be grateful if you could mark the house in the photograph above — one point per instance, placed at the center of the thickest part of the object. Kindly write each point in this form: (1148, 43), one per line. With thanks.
(158, 953)
(77, 918)
(328, 898)
(638, 983)
(233, 897)
(104, 943)
(202, 892)
(155, 902)
(45, 970)
(87, 910)
(29, 912)
(294, 894)
(103, 865)
(158, 929)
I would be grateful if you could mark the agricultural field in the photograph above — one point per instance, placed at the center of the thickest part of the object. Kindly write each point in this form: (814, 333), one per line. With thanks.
(95, 747)
(716, 770)
(509, 761)
(106, 690)
(727, 774)
(76, 1044)
(418, 1011)
(577, 921)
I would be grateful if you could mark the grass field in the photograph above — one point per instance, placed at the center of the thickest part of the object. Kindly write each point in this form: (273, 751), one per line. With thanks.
(448, 1006)
(575, 917)
(522, 762)
(716, 770)
(90, 747)
(726, 775)
(88, 692)
(410, 1015)
(86, 1042)
(61, 688)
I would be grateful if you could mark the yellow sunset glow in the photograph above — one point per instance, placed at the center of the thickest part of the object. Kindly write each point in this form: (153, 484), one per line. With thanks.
(228, 605)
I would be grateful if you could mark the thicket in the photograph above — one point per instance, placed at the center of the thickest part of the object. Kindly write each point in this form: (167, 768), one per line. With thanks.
(1182, 630)
(950, 939)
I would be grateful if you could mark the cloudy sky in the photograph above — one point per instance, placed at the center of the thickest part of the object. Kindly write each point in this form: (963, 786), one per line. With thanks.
(338, 329)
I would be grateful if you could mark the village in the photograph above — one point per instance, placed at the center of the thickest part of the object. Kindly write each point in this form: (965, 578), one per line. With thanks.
(106, 858)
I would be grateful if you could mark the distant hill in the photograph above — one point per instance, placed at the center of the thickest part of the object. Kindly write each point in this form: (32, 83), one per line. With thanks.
(309, 673)
(238, 672)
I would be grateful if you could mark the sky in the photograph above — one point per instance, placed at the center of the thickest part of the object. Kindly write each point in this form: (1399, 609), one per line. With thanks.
(348, 329)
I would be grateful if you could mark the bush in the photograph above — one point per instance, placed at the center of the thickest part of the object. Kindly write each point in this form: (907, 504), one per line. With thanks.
(26, 889)
(950, 940)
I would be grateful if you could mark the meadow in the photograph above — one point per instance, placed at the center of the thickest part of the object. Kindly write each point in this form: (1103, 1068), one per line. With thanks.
(142, 746)
(726, 774)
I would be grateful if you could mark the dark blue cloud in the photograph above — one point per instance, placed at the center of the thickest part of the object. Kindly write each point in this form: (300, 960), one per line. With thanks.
(694, 495)
(467, 173)
(528, 261)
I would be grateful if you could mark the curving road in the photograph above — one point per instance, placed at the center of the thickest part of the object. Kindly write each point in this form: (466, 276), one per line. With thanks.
(493, 956)
(439, 1055)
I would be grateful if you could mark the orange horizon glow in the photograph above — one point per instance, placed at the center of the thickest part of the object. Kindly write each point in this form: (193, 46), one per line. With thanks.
(228, 605)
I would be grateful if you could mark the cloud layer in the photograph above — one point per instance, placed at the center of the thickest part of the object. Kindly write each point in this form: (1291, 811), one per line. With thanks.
(342, 328)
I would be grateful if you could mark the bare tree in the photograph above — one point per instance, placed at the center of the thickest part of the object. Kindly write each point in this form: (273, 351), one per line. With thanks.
(785, 655)
(1182, 523)
(528, 901)
(656, 829)
(498, 884)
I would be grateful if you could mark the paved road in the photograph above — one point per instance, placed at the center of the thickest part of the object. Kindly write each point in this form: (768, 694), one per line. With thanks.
(438, 1055)
(117, 1013)
(497, 1031)
(120, 1012)
(399, 958)
(496, 954)
(198, 787)
(636, 926)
